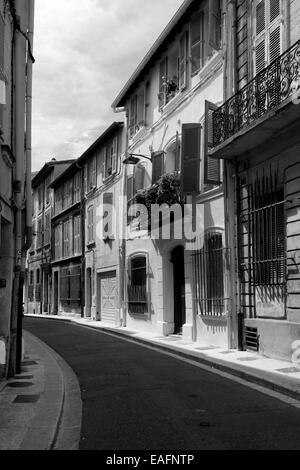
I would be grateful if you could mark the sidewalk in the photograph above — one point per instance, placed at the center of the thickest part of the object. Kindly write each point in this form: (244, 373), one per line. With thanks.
(276, 375)
(40, 409)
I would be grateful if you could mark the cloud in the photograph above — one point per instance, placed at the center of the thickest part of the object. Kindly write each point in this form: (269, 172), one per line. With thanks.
(85, 52)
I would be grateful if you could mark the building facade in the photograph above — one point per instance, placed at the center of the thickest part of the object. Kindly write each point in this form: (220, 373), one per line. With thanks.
(103, 189)
(173, 283)
(256, 133)
(68, 243)
(16, 39)
(38, 286)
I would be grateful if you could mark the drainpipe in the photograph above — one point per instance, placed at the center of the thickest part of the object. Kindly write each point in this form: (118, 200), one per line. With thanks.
(19, 180)
(28, 129)
(123, 240)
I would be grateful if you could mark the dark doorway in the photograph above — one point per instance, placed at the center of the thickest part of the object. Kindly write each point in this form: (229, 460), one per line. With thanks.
(177, 258)
(55, 294)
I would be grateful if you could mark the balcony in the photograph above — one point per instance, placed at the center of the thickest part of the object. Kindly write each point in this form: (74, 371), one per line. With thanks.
(260, 110)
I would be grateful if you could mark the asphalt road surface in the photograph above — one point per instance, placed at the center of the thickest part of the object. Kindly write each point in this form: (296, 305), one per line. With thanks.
(138, 399)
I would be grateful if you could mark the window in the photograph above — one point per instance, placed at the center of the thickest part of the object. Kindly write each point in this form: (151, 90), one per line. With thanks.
(158, 165)
(47, 189)
(205, 35)
(91, 174)
(67, 194)
(47, 230)
(58, 242)
(39, 234)
(191, 150)
(31, 286)
(209, 277)
(197, 42)
(90, 227)
(77, 188)
(212, 166)
(66, 239)
(111, 158)
(77, 235)
(137, 111)
(40, 198)
(38, 286)
(262, 247)
(58, 200)
(137, 285)
(268, 32)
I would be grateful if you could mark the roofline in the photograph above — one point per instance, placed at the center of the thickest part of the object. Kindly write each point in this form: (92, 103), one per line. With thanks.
(119, 101)
(81, 159)
(45, 170)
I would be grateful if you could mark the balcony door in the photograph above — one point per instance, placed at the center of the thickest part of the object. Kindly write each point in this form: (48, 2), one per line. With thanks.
(267, 32)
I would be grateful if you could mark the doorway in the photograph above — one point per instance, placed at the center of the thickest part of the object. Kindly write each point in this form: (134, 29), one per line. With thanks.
(55, 294)
(177, 258)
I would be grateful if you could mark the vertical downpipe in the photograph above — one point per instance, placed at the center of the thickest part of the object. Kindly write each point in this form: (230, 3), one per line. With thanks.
(19, 180)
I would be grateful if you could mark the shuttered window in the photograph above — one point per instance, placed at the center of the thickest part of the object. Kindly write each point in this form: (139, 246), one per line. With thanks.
(214, 24)
(139, 177)
(77, 235)
(212, 166)
(158, 165)
(183, 61)
(90, 227)
(268, 32)
(66, 239)
(190, 166)
(58, 244)
(133, 115)
(197, 42)
(163, 77)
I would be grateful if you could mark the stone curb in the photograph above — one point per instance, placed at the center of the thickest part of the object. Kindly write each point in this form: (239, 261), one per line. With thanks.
(263, 378)
(57, 421)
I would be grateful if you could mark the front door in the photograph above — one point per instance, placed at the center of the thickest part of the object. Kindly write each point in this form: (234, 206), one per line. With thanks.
(177, 258)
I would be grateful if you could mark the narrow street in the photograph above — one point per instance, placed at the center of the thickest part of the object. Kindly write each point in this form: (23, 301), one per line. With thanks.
(138, 399)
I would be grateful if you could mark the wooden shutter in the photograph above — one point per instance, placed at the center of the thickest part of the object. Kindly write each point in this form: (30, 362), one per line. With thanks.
(158, 163)
(268, 32)
(133, 115)
(183, 61)
(214, 24)
(108, 215)
(163, 76)
(191, 154)
(94, 171)
(196, 42)
(139, 177)
(115, 155)
(212, 166)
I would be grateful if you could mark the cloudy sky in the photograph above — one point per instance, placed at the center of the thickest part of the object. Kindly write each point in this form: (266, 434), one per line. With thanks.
(85, 51)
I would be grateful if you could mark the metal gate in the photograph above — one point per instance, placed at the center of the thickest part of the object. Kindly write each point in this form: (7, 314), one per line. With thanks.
(261, 241)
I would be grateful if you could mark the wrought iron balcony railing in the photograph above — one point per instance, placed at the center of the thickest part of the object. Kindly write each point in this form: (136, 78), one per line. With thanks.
(267, 91)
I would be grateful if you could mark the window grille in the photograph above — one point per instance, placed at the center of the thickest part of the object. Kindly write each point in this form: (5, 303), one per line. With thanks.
(137, 286)
(209, 276)
(262, 242)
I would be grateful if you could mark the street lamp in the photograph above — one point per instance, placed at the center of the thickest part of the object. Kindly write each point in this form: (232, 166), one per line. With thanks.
(134, 158)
